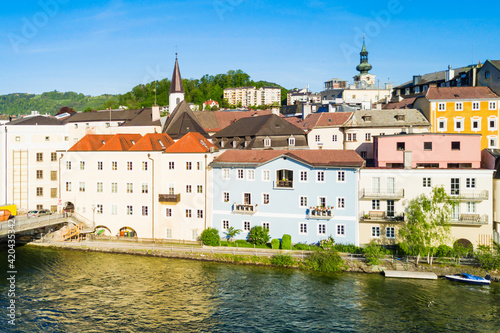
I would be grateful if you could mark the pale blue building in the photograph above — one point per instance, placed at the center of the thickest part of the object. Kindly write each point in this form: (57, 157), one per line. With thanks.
(308, 194)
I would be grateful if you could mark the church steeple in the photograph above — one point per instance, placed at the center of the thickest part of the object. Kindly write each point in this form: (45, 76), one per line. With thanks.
(363, 66)
(176, 87)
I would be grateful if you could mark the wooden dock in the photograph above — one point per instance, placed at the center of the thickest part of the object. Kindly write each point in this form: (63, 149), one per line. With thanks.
(410, 275)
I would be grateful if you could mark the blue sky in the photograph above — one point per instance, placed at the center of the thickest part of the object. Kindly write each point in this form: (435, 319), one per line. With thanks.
(97, 47)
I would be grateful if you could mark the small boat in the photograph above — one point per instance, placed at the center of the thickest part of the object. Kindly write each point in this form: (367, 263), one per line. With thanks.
(469, 278)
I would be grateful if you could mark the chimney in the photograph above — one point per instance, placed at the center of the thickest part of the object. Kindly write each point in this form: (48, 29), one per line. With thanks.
(155, 113)
(407, 159)
(417, 79)
(450, 73)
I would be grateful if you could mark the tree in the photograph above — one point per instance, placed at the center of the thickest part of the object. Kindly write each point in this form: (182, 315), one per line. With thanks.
(210, 237)
(258, 235)
(428, 223)
(232, 232)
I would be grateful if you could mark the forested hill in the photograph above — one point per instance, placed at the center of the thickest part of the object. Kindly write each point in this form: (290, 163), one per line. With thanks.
(143, 95)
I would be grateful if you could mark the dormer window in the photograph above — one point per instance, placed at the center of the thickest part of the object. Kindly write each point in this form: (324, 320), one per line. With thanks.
(133, 142)
(291, 141)
(161, 144)
(400, 117)
(107, 125)
(417, 89)
(76, 125)
(222, 143)
(267, 142)
(367, 118)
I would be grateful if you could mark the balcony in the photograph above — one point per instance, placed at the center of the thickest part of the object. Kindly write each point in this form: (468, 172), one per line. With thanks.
(470, 219)
(472, 195)
(320, 213)
(284, 184)
(169, 199)
(371, 194)
(244, 209)
(381, 216)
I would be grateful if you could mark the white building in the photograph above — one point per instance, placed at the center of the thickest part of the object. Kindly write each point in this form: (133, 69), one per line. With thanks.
(249, 96)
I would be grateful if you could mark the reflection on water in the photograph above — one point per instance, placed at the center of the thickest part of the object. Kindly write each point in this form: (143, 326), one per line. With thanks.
(71, 291)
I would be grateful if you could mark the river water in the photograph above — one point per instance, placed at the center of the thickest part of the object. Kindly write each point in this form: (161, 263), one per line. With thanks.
(72, 291)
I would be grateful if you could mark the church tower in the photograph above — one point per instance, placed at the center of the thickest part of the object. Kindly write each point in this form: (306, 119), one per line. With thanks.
(176, 88)
(364, 78)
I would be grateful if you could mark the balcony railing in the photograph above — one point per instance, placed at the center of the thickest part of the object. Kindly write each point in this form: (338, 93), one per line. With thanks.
(244, 209)
(470, 219)
(381, 216)
(320, 214)
(169, 198)
(371, 194)
(284, 184)
(472, 195)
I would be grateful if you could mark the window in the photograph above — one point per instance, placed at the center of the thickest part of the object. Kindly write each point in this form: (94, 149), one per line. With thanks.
(39, 207)
(145, 189)
(321, 229)
(225, 224)
(400, 146)
(376, 184)
(266, 175)
(426, 182)
(99, 187)
(459, 106)
(470, 207)
(199, 166)
(39, 174)
(303, 176)
(441, 106)
(492, 105)
(376, 204)
(199, 213)
(390, 232)
(476, 106)
(53, 157)
(39, 157)
(334, 138)
(442, 125)
(492, 142)
(266, 225)
(368, 137)
(340, 229)
(251, 174)
(492, 124)
(317, 138)
(68, 186)
(171, 165)
(82, 165)
(341, 203)
(225, 195)
(199, 189)
(144, 210)
(130, 210)
(459, 124)
(340, 176)
(476, 124)
(400, 117)
(322, 201)
(407, 91)
(267, 142)
(455, 186)
(82, 187)
(303, 228)
(351, 137)
(114, 165)
(246, 226)
(99, 209)
(168, 212)
(487, 74)
(53, 175)
(427, 145)
(417, 89)
(367, 118)
(130, 188)
(320, 176)
(291, 142)
(188, 188)
(114, 187)
(226, 174)
(188, 213)
(53, 193)
(99, 165)
(375, 232)
(455, 145)
(144, 166)
(265, 198)
(284, 178)
(470, 182)
(240, 173)
(18, 138)
(129, 166)
(363, 155)
(303, 201)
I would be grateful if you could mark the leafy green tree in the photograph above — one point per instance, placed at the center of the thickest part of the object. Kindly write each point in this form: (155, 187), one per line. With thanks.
(258, 235)
(428, 223)
(210, 237)
(232, 232)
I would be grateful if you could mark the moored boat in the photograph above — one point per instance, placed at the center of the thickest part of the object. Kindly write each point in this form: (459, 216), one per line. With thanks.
(469, 278)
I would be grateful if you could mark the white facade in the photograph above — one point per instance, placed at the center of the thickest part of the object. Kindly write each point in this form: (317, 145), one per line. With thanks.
(326, 138)
(249, 96)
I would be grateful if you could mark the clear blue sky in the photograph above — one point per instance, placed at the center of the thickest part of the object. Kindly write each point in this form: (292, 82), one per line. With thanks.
(96, 47)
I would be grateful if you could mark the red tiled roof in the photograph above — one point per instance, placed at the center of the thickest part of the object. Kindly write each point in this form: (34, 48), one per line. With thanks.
(315, 157)
(405, 103)
(151, 141)
(91, 142)
(210, 101)
(443, 93)
(226, 118)
(121, 142)
(333, 119)
(192, 142)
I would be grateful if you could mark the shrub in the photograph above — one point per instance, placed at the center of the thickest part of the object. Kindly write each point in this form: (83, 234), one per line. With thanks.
(327, 244)
(324, 261)
(275, 244)
(347, 248)
(444, 251)
(488, 259)
(210, 237)
(258, 235)
(286, 242)
(462, 251)
(282, 260)
(373, 252)
(301, 247)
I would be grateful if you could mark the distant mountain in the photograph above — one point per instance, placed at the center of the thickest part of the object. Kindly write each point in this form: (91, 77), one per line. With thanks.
(142, 95)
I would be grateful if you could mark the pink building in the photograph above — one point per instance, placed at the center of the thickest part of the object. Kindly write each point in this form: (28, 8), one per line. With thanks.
(428, 150)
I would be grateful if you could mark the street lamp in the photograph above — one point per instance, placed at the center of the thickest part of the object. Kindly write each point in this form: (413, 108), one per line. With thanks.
(93, 217)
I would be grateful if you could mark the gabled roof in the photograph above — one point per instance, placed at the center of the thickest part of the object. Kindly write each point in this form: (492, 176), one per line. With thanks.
(495, 63)
(334, 119)
(434, 77)
(121, 142)
(182, 121)
(269, 125)
(153, 141)
(305, 124)
(142, 118)
(176, 84)
(405, 103)
(102, 115)
(387, 118)
(312, 157)
(446, 93)
(191, 143)
(91, 142)
(37, 120)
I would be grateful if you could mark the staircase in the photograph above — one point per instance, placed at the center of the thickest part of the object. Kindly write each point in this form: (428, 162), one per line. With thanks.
(73, 232)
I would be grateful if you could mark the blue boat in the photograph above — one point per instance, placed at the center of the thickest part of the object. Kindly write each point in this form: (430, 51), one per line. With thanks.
(469, 278)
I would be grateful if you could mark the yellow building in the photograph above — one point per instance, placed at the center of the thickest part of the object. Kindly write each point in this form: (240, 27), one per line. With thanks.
(463, 110)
